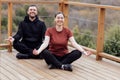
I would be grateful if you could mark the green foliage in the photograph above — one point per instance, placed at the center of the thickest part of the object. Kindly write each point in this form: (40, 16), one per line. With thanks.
(49, 21)
(19, 15)
(4, 21)
(14, 28)
(17, 20)
(43, 12)
(45, 16)
(20, 12)
(4, 29)
(4, 6)
(112, 42)
(84, 39)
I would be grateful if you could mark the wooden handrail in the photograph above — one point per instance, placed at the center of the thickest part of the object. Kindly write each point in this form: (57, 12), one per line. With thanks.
(92, 5)
(30, 2)
(102, 54)
(2, 45)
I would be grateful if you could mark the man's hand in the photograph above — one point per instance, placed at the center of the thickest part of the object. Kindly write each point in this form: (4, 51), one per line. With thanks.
(10, 39)
(35, 52)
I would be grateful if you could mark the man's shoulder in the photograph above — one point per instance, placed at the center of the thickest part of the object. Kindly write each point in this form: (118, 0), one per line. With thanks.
(41, 22)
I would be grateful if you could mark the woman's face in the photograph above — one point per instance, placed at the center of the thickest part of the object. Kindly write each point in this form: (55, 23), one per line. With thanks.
(59, 19)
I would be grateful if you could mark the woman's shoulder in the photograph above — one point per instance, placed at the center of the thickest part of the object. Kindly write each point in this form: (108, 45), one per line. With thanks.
(67, 29)
(50, 29)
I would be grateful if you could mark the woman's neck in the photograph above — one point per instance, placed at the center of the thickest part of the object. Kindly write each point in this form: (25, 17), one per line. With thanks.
(59, 28)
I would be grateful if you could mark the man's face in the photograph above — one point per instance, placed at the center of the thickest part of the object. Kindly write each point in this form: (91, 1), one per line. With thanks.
(32, 11)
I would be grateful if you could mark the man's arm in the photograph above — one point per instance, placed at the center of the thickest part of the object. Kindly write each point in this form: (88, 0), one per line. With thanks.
(19, 33)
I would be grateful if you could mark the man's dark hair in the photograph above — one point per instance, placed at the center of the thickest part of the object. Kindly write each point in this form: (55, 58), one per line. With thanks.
(31, 6)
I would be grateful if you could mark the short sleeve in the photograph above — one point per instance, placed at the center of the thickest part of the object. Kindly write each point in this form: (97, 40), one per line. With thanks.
(47, 33)
(70, 34)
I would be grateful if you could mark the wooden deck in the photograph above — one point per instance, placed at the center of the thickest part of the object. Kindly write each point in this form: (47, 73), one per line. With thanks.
(86, 68)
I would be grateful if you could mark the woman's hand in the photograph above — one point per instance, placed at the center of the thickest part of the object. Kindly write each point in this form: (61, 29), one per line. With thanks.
(35, 52)
(87, 53)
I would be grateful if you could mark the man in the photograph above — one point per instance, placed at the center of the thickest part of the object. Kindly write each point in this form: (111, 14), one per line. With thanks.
(29, 36)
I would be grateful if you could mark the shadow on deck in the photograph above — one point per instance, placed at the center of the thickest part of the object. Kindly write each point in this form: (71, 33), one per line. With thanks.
(86, 68)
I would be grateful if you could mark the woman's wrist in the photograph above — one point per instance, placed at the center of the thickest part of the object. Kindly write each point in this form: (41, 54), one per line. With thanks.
(84, 52)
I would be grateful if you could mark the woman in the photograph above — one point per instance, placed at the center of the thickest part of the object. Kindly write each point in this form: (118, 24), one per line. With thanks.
(57, 37)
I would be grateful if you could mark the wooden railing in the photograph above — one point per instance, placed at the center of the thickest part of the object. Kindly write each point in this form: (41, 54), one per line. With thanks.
(63, 6)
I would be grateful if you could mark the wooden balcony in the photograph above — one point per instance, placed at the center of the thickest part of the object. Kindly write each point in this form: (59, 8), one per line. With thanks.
(85, 68)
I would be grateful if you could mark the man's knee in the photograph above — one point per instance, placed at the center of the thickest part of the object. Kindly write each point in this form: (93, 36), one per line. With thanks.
(15, 45)
(44, 52)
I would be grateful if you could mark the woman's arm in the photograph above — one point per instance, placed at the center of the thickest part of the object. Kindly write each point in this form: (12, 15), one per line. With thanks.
(43, 46)
(77, 46)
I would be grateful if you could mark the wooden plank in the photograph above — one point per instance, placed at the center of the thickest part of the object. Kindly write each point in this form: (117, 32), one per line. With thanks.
(53, 72)
(38, 64)
(6, 72)
(22, 69)
(31, 68)
(111, 72)
(3, 77)
(13, 71)
(84, 68)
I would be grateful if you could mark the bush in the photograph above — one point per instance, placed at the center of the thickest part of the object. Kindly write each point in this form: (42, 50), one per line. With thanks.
(19, 15)
(4, 21)
(112, 42)
(85, 38)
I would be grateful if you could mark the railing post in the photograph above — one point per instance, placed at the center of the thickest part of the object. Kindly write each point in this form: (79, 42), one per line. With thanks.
(100, 36)
(61, 5)
(10, 24)
(64, 8)
(0, 21)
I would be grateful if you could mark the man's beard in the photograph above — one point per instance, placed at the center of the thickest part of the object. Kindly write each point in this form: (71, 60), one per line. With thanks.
(32, 17)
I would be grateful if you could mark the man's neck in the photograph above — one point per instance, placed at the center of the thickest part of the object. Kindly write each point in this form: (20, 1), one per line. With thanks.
(32, 19)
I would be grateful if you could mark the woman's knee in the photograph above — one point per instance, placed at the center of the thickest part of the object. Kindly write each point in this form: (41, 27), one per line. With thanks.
(45, 52)
(77, 53)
